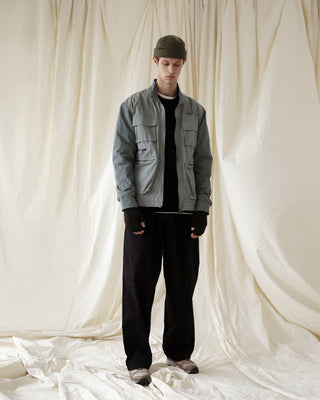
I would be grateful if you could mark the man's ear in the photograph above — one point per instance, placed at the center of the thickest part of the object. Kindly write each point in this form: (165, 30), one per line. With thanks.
(155, 60)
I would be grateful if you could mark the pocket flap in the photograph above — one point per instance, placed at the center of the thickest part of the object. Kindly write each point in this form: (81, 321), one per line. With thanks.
(143, 120)
(143, 136)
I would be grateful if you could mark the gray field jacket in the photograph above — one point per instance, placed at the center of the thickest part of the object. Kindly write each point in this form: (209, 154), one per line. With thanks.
(139, 152)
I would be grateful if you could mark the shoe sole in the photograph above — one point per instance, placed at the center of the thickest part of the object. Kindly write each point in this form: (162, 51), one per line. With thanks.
(173, 364)
(144, 382)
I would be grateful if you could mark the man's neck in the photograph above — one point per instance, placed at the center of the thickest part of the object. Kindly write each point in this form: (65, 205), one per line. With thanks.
(167, 90)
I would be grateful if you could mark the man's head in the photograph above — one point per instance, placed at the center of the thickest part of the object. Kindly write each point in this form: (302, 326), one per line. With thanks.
(169, 55)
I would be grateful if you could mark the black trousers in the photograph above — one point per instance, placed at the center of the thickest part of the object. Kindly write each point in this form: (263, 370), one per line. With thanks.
(166, 236)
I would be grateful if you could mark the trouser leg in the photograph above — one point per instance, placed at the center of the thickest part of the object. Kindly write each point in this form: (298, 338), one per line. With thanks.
(141, 269)
(181, 265)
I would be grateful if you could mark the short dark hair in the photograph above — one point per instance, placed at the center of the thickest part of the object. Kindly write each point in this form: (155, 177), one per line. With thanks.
(158, 58)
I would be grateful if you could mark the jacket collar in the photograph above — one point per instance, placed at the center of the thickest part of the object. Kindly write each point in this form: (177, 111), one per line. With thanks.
(154, 92)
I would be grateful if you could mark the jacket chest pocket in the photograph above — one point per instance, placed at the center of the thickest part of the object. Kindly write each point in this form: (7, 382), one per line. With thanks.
(146, 138)
(190, 135)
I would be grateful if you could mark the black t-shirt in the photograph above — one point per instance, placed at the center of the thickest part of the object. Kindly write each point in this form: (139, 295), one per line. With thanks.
(170, 190)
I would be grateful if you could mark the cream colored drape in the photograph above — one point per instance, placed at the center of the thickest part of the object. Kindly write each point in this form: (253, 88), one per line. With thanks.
(65, 68)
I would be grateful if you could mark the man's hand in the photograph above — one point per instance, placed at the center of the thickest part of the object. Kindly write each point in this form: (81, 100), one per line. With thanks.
(198, 224)
(134, 220)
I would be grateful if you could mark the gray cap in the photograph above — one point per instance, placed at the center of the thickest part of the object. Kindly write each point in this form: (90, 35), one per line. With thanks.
(170, 46)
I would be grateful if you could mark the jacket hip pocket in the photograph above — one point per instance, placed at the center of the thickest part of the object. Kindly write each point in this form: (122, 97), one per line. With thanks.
(191, 182)
(145, 172)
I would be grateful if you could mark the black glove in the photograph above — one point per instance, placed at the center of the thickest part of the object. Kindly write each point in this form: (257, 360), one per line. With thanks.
(132, 218)
(199, 222)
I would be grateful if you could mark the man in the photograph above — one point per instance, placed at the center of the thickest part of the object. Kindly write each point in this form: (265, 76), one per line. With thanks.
(162, 163)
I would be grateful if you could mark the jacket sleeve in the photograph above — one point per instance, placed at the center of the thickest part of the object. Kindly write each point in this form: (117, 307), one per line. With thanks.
(124, 154)
(202, 166)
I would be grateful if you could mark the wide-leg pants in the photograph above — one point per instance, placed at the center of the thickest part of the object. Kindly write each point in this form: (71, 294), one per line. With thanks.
(167, 237)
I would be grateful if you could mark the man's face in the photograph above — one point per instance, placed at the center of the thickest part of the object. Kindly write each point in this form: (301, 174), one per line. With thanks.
(169, 69)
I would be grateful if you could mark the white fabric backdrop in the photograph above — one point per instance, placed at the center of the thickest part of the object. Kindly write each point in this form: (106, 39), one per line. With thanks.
(65, 68)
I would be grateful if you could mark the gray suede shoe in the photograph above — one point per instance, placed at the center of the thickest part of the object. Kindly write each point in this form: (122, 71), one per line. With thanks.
(187, 365)
(141, 376)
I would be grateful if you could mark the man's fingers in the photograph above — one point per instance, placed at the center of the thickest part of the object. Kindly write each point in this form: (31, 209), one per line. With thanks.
(142, 231)
(192, 234)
